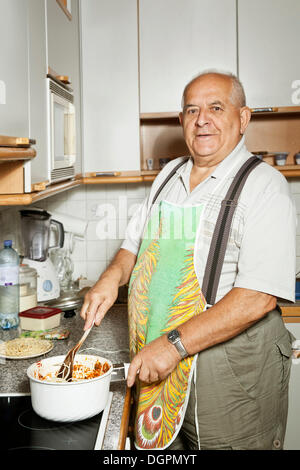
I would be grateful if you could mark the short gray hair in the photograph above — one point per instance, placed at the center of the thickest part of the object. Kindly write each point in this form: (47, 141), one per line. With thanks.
(238, 96)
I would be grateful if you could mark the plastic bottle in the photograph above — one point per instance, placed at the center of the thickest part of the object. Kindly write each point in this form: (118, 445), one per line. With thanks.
(9, 286)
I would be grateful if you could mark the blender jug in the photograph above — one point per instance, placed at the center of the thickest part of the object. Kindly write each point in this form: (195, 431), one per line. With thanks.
(35, 228)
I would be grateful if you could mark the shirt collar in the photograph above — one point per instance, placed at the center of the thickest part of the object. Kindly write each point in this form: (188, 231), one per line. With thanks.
(239, 153)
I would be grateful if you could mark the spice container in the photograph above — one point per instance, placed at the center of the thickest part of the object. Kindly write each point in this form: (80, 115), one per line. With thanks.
(40, 318)
(28, 287)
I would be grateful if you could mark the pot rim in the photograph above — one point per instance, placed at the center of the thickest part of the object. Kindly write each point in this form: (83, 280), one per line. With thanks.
(68, 384)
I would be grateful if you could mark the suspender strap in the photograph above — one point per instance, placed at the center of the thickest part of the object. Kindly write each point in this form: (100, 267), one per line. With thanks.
(221, 233)
(172, 173)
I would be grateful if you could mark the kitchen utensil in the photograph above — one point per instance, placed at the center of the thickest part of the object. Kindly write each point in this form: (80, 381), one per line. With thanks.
(68, 301)
(297, 158)
(28, 287)
(40, 318)
(66, 370)
(69, 401)
(163, 162)
(280, 158)
(35, 228)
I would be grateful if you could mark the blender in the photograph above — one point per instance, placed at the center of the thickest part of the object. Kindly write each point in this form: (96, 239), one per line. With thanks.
(35, 229)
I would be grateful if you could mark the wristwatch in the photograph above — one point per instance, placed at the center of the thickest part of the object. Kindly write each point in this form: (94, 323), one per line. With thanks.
(174, 338)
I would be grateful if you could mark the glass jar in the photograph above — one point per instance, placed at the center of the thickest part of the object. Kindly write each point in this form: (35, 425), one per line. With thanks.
(28, 287)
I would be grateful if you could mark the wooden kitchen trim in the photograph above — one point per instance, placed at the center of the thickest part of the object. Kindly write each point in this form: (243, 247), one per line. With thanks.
(40, 192)
(8, 154)
(125, 420)
(119, 178)
(29, 198)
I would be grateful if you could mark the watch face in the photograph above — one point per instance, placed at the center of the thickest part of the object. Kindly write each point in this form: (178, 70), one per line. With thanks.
(173, 335)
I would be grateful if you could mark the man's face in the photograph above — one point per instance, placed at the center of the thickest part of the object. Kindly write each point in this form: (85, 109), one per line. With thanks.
(212, 123)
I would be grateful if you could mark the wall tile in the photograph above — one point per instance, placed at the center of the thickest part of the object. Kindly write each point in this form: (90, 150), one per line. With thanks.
(96, 250)
(95, 269)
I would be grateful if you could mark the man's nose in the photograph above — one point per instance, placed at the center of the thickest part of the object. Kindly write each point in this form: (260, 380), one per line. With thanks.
(202, 118)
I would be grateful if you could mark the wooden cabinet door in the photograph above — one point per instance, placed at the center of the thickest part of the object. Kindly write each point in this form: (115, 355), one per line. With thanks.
(110, 93)
(178, 40)
(269, 35)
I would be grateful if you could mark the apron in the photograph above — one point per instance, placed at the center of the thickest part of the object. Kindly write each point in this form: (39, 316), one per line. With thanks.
(163, 293)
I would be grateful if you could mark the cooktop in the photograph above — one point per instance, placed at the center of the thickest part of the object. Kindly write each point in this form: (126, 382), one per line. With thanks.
(24, 429)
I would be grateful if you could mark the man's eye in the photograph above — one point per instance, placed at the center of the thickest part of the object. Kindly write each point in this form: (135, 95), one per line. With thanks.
(217, 108)
(192, 110)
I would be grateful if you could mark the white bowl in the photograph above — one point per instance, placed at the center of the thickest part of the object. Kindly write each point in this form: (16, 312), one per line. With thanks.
(69, 401)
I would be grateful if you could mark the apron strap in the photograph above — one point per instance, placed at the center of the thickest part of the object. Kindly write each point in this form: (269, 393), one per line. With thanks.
(171, 174)
(221, 233)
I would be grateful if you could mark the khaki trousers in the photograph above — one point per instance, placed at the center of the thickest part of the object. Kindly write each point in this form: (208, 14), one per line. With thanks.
(241, 391)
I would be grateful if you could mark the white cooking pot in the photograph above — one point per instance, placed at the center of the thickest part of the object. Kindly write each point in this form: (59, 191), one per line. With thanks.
(69, 401)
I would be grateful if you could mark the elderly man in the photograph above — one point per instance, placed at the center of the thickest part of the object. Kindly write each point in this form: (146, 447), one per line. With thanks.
(209, 378)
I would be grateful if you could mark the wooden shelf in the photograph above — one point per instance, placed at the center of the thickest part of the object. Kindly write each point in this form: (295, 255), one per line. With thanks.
(290, 312)
(29, 198)
(9, 154)
(289, 171)
(254, 112)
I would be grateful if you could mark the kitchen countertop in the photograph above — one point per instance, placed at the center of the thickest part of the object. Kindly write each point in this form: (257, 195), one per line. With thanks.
(109, 340)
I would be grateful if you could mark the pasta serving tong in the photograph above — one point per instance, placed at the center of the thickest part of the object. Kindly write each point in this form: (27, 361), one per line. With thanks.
(66, 370)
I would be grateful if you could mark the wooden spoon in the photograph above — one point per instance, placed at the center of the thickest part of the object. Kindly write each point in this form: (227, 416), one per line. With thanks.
(66, 370)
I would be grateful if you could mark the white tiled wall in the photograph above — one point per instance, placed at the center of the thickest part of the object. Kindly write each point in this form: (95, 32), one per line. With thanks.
(110, 203)
(92, 255)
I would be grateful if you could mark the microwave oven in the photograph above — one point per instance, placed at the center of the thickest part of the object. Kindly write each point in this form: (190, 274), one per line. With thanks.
(61, 132)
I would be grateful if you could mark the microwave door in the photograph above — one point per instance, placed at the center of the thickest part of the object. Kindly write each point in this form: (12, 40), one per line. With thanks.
(59, 133)
(63, 132)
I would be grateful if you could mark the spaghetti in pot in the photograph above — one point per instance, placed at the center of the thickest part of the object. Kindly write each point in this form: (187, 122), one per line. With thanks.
(81, 372)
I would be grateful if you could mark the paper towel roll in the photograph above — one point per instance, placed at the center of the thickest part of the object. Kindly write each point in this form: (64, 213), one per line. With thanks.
(72, 224)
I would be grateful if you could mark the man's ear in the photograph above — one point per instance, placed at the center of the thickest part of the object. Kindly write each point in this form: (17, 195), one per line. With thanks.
(245, 116)
(180, 118)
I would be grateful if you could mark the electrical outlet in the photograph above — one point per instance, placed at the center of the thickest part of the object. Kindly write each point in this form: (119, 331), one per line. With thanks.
(2, 92)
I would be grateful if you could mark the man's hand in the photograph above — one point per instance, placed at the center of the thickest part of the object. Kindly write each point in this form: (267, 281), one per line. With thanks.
(104, 293)
(154, 362)
(97, 301)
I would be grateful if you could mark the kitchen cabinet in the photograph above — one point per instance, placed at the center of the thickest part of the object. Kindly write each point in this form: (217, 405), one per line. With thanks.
(23, 71)
(178, 40)
(63, 56)
(268, 55)
(110, 91)
(14, 106)
(37, 170)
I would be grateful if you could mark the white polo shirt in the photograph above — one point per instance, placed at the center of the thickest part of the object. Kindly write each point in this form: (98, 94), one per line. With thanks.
(261, 250)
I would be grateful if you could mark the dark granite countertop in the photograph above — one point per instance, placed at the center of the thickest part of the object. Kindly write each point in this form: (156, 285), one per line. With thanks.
(109, 340)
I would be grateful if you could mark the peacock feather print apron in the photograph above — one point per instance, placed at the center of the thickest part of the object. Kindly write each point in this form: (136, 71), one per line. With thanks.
(163, 293)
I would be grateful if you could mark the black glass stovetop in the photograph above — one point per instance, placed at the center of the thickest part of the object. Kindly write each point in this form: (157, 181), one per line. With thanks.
(24, 429)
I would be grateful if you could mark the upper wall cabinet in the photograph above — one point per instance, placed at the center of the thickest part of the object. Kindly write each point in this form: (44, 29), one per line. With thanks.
(14, 104)
(63, 40)
(178, 40)
(269, 36)
(110, 93)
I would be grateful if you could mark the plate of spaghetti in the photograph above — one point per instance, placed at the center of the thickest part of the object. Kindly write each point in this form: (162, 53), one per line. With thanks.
(24, 348)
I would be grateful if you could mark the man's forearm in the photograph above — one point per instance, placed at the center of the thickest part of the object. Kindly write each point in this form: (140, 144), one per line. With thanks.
(234, 313)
